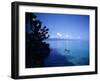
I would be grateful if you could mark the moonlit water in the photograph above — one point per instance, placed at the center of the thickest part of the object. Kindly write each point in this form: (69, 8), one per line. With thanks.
(68, 52)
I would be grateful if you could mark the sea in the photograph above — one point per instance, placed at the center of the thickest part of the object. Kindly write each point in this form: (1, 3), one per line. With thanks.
(68, 52)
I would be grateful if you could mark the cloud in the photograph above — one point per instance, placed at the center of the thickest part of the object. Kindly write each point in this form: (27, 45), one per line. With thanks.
(59, 34)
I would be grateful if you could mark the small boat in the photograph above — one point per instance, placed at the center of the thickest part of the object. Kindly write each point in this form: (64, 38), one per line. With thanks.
(67, 50)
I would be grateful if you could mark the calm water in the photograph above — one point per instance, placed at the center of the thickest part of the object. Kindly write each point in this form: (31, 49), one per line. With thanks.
(68, 53)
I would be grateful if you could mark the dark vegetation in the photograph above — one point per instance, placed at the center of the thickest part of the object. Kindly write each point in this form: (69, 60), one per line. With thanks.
(37, 50)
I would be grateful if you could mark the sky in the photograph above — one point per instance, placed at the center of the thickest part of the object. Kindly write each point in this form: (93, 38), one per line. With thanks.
(68, 26)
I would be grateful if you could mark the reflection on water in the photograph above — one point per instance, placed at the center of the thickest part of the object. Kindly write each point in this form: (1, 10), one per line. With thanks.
(68, 52)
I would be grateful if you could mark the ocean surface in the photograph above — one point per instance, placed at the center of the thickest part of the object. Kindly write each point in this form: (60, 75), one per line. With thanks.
(64, 52)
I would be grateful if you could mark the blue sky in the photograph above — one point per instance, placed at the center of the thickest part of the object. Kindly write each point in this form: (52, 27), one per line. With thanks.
(65, 25)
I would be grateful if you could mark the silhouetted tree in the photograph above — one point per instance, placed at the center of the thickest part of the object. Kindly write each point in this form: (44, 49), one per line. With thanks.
(37, 50)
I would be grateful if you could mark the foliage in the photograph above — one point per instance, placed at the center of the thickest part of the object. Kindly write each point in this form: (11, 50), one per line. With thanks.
(37, 50)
